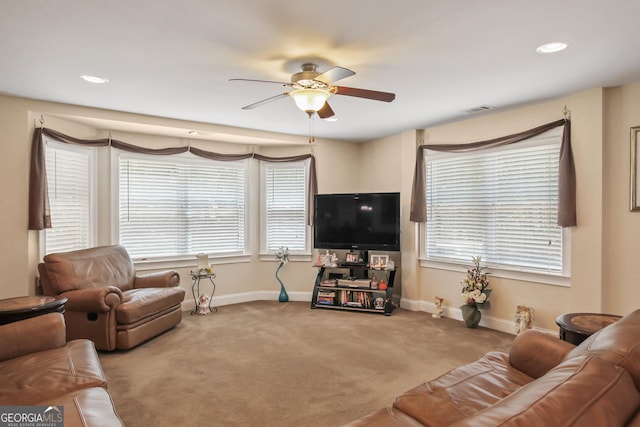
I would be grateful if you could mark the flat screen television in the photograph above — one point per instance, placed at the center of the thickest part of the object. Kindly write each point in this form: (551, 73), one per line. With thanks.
(357, 221)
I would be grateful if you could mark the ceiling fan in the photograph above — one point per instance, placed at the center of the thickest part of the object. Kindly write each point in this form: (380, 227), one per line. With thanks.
(312, 89)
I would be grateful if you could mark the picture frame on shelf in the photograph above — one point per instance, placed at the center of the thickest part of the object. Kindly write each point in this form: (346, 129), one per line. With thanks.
(634, 204)
(378, 261)
(352, 258)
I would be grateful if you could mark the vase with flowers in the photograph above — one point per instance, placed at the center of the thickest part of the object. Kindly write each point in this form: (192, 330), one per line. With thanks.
(283, 256)
(475, 292)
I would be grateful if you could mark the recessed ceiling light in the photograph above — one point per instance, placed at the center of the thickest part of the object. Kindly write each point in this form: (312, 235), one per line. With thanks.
(331, 119)
(552, 47)
(94, 79)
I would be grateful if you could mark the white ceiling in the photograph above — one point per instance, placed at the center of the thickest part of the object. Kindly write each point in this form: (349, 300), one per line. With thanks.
(175, 58)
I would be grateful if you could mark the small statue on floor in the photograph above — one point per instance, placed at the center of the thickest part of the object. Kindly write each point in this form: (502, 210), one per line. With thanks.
(203, 306)
(525, 316)
(439, 308)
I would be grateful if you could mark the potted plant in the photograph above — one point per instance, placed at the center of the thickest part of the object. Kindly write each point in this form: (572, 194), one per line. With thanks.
(475, 292)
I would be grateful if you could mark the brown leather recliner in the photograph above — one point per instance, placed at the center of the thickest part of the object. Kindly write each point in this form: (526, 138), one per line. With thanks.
(108, 302)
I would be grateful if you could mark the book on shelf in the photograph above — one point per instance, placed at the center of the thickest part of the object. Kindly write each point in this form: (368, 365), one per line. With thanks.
(328, 282)
(354, 283)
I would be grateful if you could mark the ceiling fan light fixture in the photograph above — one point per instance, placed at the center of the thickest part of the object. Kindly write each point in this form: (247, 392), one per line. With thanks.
(310, 100)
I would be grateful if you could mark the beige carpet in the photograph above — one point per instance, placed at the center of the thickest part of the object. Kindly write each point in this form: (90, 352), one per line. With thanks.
(282, 364)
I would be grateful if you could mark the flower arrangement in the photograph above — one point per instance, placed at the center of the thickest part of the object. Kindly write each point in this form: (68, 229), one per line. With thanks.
(283, 254)
(475, 286)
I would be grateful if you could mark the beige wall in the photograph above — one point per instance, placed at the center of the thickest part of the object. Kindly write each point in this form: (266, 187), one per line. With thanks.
(20, 247)
(603, 245)
(621, 242)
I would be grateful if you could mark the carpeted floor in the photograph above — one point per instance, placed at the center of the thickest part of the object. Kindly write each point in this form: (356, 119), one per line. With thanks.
(282, 364)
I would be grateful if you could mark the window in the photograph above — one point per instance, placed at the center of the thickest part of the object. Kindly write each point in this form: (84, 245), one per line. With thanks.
(70, 179)
(501, 203)
(179, 206)
(284, 201)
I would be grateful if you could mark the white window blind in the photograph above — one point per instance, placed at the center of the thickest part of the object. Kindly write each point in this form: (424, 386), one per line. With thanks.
(174, 206)
(285, 195)
(69, 180)
(501, 204)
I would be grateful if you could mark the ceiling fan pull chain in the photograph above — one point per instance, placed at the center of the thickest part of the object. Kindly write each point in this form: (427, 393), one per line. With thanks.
(311, 130)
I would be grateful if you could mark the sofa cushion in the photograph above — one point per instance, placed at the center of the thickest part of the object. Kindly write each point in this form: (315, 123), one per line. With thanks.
(138, 304)
(90, 268)
(582, 391)
(87, 407)
(535, 353)
(463, 391)
(618, 343)
(36, 377)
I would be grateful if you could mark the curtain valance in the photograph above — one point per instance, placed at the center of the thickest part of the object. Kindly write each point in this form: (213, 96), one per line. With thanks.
(39, 211)
(566, 176)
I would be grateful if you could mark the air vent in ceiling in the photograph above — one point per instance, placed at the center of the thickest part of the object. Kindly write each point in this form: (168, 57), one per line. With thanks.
(479, 109)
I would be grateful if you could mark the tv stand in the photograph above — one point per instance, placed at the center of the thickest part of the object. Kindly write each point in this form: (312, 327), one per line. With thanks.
(354, 291)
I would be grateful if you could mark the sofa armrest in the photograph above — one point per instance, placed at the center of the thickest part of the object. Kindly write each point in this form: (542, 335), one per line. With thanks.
(93, 300)
(582, 391)
(535, 353)
(157, 279)
(40, 333)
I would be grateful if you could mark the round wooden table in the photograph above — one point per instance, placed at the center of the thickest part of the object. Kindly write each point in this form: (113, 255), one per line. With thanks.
(577, 327)
(14, 309)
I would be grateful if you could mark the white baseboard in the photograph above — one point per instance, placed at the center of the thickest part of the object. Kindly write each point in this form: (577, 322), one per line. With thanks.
(490, 322)
(219, 301)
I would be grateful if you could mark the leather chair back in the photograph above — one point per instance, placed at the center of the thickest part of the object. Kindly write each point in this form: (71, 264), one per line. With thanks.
(87, 268)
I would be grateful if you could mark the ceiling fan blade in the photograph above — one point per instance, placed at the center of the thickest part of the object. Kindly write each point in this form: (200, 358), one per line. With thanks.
(333, 75)
(265, 101)
(325, 112)
(364, 93)
(261, 81)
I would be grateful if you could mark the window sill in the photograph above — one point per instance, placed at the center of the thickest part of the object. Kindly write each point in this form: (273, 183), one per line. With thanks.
(187, 262)
(292, 258)
(525, 276)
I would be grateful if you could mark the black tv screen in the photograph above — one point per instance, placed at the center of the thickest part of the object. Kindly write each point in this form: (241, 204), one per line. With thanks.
(358, 221)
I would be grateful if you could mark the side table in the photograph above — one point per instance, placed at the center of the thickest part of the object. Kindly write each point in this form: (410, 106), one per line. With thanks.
(19, 308)
(195, 289)
(577, 327)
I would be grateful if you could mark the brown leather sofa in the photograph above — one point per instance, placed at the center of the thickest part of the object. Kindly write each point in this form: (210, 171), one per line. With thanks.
(542, 381)
(38, 367)
(108, 302)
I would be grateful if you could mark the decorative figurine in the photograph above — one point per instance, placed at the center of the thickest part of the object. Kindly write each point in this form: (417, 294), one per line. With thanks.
(439, 308)
(334, 260)
(326, 259)
(203, 306)
(525, 316)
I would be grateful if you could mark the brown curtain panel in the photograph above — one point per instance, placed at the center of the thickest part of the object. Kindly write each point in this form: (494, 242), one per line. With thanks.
(39, 211)
(566, 177)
